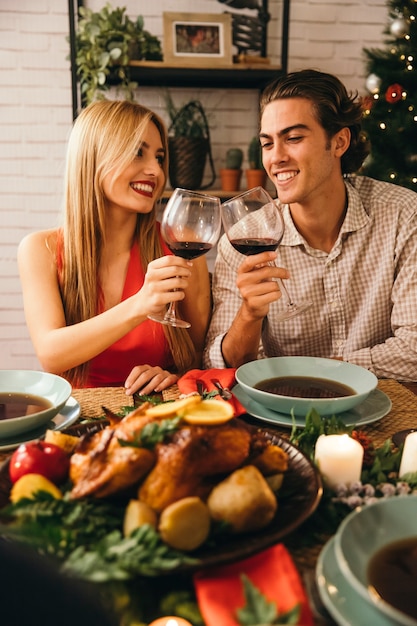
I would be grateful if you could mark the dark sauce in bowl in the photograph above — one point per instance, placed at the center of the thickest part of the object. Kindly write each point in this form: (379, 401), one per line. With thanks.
(392, 575)
(14, 405)
(305, 387)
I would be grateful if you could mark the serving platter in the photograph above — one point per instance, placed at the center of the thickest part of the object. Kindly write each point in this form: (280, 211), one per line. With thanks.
(374, 408)
(69, 414)
(298, 498)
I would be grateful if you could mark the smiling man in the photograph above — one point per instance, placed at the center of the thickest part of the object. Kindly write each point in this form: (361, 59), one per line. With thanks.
(350, 245)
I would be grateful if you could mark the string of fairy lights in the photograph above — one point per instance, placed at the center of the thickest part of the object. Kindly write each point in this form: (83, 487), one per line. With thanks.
(390, 109)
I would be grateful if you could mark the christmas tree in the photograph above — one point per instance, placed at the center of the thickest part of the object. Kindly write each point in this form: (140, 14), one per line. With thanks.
(390, 109)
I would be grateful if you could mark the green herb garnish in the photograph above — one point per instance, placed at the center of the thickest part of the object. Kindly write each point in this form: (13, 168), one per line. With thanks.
(120, 558)
(57, 526)
(85, 536)
(385, 461)
(184, 604)
(305, 438)
(153, 433)
(259, 611)
(153, 399)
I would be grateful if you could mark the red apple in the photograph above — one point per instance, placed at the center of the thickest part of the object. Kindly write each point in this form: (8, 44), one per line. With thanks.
(39, 457)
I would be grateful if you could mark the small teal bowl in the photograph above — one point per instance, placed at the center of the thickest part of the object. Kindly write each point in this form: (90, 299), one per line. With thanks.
(363, 533)
(359, 379)
(55, 389)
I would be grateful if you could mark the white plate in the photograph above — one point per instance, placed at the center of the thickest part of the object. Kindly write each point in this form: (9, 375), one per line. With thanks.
(67, 416)
(344, 604)
(376, 406)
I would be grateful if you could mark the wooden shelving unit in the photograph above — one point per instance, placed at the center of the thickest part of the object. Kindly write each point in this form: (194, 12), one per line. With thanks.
(160, 74)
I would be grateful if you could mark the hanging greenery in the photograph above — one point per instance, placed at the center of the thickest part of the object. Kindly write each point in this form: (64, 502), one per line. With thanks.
(106, 41)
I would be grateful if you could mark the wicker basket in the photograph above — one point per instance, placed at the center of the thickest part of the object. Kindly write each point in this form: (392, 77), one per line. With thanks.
(187, 160)
(189, 146)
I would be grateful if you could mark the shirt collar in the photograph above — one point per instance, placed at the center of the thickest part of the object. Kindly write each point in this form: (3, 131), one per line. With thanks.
(355, 219)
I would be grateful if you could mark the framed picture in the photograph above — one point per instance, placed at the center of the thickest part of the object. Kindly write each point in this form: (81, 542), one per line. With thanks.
(197, 39)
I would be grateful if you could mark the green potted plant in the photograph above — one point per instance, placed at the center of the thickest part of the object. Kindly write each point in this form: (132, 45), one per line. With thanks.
(105, 42)
(231, 174)
(255, 174)
(189, 145)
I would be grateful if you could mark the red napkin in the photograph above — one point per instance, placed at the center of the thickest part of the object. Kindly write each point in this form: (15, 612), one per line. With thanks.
(220, 590)
(188, 383)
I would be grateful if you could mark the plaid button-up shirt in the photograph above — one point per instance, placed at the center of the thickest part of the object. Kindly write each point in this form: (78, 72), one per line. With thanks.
(364, 292)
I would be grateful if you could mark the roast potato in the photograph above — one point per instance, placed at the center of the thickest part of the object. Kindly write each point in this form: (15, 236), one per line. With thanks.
(272, 460)
(185, 524)
(137, 514)
(243, 500)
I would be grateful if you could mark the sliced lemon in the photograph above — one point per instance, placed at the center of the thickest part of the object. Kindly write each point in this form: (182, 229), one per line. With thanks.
(62, 440)
(208, 412)
(173, 408)
(29, 484)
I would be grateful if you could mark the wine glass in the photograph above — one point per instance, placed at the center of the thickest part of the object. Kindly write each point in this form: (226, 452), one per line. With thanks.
(190, 225)
(254, 223)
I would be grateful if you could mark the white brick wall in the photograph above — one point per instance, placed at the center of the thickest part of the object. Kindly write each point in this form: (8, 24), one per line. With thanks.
(36, 115)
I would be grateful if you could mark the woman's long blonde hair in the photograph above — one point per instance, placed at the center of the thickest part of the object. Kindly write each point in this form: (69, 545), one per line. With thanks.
(105, 138)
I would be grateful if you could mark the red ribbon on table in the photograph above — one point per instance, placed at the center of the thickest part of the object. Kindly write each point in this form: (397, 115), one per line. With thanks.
(219, 590)
(188, 383)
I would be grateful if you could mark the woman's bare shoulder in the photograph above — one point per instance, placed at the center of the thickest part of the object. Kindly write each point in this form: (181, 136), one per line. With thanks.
(38, 241)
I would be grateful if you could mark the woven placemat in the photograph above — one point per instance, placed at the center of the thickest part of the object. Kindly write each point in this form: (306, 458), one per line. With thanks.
(92, 400)
(172, 393)
(403, 413)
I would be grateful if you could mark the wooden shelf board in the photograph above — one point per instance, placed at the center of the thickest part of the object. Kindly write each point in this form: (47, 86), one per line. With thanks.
(236, 76)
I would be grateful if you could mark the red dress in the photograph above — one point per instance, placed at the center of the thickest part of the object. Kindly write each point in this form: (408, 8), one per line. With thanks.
(145, 344)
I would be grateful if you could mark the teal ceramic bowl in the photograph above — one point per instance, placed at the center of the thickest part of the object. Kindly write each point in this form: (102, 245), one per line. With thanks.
(28, 385)
(363, 533)
(360, 380)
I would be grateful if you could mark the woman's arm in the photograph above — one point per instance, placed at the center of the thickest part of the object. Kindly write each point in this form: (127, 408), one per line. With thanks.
(60, 347)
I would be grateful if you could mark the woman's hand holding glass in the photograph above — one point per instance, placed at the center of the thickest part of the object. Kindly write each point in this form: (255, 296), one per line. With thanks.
(190, 226)
(166, 279)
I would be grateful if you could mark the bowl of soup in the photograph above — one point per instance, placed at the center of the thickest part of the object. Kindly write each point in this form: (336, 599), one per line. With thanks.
(295, 385)
(376, 550)
(29, 399)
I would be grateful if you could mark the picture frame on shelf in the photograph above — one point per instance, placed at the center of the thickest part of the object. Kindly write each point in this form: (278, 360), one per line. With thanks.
(197, 39)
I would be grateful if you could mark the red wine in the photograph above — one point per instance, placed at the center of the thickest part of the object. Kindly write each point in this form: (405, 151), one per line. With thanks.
(189, 249)
(254, 246)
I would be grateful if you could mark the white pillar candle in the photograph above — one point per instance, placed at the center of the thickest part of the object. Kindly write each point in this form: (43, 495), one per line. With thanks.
(409, 455)
(339, 458)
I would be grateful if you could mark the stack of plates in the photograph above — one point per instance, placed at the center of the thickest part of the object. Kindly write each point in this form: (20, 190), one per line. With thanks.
(342, 567)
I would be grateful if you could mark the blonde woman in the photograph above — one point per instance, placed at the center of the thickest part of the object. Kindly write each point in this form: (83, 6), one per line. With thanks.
(89, 286)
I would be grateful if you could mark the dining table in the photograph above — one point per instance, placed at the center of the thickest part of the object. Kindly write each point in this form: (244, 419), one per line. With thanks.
(402, 416)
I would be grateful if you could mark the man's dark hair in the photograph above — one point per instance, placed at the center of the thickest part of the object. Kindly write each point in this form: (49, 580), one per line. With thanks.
(334, 108)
